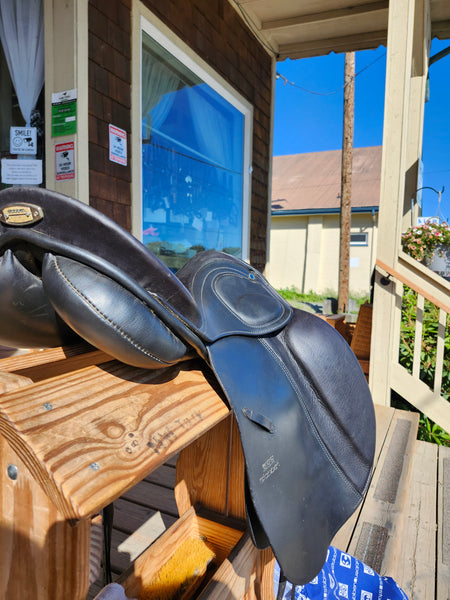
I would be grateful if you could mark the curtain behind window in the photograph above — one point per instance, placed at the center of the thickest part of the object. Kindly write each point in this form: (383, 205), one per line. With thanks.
(22, 38)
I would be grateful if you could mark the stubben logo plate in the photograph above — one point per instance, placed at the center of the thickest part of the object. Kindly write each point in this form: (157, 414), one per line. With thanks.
(21, 214)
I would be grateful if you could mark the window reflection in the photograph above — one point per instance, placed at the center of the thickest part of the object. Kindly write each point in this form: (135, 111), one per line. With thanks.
(192, 162)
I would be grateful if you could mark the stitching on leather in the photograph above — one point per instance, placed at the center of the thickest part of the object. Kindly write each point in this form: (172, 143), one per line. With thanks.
(104, 317)
(336, 466)
(258, 329)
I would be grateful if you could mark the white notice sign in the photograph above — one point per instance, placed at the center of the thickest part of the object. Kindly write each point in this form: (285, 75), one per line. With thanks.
(117, 145)
(22, 140)
(25, 172)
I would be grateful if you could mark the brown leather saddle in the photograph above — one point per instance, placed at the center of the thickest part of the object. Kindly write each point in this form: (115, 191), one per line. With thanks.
(301, 401)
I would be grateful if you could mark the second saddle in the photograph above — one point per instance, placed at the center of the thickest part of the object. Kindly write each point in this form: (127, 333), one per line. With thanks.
(301, 401)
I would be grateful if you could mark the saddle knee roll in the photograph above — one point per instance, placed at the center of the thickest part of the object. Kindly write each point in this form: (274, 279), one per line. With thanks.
(109, 316)
(28, 319)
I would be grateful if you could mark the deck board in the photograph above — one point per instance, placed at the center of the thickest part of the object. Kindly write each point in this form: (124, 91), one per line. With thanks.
(443, 537)
(415, 562)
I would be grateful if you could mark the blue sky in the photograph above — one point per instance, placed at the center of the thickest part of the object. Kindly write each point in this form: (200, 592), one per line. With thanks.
(309, 111)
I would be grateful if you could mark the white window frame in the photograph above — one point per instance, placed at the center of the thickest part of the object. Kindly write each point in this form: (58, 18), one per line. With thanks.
(361, 243)
(145, 21)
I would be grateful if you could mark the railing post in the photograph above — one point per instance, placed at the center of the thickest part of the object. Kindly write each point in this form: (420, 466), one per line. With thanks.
(406, 70)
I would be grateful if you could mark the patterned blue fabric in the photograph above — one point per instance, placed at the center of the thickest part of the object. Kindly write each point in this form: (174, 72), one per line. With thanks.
(343, 577)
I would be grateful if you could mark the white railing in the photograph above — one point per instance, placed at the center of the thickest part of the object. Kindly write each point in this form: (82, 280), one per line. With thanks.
(428, 394)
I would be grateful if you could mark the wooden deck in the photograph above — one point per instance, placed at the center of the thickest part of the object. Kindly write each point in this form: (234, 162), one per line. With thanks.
(402, 530)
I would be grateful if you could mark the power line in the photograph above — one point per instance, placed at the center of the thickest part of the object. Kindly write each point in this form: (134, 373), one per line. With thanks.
(287, 81)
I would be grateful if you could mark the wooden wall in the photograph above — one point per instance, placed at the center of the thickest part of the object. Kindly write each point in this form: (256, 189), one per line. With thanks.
(215, 31)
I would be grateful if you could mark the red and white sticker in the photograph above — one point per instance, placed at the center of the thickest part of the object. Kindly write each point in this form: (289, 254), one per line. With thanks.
(65, 161)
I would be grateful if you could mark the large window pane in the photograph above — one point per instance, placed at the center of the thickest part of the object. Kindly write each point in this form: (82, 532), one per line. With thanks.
(192, 161)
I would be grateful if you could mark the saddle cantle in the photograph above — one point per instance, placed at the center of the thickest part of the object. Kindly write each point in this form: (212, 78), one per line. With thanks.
(301, 401)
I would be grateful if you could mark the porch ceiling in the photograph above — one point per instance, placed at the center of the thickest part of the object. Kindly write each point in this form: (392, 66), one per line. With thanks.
(300, 28)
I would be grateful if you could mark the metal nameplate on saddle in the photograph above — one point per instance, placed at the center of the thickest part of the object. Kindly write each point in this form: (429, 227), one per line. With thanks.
(21, 214)
(302, 404)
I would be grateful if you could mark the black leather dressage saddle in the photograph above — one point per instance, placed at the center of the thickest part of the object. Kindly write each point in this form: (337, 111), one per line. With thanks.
(301, 401)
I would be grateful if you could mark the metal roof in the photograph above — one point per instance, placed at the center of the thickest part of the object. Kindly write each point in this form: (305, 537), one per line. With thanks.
(312, 181)
(300, 28)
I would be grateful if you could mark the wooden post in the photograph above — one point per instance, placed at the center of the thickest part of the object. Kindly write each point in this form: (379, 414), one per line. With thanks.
(346, 182)
(406, 61)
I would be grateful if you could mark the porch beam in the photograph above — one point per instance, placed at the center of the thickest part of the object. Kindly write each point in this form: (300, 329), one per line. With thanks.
(320, 47)
(328, 15)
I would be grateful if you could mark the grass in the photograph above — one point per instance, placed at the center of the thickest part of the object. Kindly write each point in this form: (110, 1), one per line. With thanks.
(297, 298)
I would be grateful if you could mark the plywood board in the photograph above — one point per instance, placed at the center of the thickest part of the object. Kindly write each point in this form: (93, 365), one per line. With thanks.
(90, 435)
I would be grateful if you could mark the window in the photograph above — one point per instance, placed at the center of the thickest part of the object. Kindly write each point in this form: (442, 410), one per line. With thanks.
(358, 239)
(194, 158)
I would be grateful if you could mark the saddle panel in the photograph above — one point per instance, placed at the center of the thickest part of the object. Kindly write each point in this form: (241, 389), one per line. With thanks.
(28, 320)
(108, 316)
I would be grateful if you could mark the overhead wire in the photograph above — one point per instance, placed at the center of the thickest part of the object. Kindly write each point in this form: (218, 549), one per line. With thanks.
(287, 81)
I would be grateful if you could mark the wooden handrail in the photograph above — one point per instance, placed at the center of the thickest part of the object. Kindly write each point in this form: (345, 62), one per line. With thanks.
(393, 273)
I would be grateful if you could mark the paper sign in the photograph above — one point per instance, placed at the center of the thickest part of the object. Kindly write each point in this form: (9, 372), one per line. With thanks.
(17, 171)
(65, 161)
(64, 113)
(22, 140)
(117, 145)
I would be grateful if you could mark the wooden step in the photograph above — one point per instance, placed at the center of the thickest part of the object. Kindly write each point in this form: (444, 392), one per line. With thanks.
(443, 533)
(377, 532)
(414, 565)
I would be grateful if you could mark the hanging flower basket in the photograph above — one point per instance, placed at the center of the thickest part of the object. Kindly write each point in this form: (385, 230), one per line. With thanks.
(430, 245)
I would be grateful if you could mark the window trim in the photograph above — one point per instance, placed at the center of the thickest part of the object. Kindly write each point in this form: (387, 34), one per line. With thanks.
(144, 20)
(361, 243)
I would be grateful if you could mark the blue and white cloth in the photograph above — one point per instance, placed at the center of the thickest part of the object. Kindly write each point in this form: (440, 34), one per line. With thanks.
(343, 577)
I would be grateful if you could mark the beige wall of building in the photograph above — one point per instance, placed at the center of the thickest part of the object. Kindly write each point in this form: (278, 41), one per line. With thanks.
(304, 252)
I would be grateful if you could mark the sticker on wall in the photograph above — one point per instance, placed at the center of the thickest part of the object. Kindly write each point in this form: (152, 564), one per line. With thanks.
(22, 140)
(21, 171)
(64, 113)
(65, 161)
(117, 145)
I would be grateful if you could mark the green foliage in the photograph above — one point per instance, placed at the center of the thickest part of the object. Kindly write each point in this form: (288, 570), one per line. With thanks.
(431, 432)
(428, 430)
(295, 297)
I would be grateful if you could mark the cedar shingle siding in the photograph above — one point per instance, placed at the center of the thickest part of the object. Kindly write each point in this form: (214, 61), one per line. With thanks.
(214, 30)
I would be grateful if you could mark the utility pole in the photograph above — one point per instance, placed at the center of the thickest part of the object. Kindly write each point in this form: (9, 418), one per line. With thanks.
(346, 182)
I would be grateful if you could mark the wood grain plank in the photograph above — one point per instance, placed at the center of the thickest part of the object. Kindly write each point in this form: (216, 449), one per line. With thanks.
(443, 536)
(48, 362)
(90, 435)
(11, 381)
(414, 569)
(378, 531)
(202, 471)
(42, 556)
